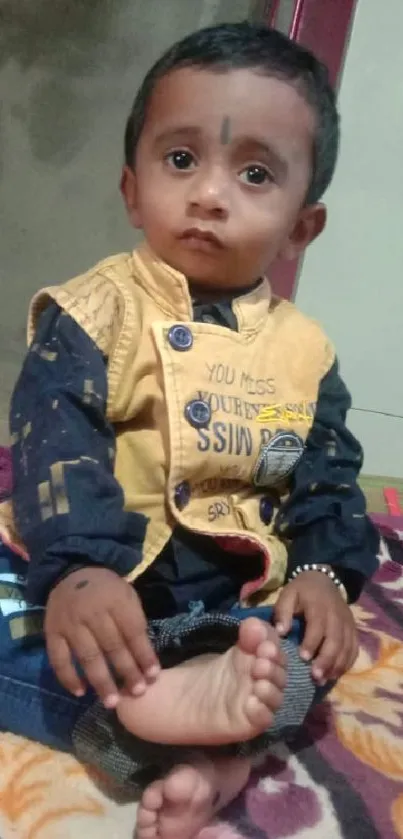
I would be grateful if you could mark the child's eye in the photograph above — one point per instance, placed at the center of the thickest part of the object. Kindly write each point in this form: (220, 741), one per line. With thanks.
(180, 159)
(256, 175)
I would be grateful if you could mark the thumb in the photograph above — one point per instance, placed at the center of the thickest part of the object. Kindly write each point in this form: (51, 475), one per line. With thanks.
(284, 609)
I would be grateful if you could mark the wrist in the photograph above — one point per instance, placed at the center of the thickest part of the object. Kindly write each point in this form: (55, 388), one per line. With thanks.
(71, 569)
(326, 570)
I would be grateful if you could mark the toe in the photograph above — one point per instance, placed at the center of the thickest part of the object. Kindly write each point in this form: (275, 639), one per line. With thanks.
(152, 799)
(258, 713)
(180, 787)
(269, 649)
(146, 818)
(146, 832)
(252, 633)
(268, 694)
(262, 668)
(278, 677)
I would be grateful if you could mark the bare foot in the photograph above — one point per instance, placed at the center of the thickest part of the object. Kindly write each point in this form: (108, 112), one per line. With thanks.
(180, 805)
(215, 699)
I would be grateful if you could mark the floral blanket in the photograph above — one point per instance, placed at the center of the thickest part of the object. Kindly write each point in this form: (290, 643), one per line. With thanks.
(341, 778)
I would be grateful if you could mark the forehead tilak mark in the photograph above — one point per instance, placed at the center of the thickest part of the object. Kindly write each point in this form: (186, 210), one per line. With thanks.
(225, 134)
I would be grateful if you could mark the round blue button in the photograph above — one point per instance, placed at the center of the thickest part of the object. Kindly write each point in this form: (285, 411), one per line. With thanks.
(266, 510)
(182, 495)
(198, 413)
(180, 337)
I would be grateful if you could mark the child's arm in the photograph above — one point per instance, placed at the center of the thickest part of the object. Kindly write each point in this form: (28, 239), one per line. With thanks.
(69, 508)
(325, 515)
(325, 519)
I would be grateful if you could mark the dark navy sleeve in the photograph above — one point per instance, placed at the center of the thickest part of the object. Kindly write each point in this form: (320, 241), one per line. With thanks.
(68, 506)
(325, 516)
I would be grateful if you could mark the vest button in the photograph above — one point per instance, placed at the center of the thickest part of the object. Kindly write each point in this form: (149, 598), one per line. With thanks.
(198, 413)
(266, 510)
(180, 338)
(208, 319)
(182, 495)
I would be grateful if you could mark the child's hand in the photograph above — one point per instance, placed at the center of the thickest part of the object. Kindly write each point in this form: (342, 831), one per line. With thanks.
(330, 636)
(95, 618)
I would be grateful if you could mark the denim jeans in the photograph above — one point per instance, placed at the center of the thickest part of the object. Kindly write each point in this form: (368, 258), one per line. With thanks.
(33, 704)
(32, 701)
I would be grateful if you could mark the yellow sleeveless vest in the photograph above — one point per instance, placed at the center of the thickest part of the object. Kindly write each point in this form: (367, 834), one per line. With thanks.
(209, 422)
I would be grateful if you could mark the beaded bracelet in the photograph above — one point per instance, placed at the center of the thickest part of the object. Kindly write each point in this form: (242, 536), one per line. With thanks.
(324, 569)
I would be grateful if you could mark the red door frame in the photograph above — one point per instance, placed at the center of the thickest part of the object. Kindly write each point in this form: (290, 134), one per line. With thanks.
(324, 27)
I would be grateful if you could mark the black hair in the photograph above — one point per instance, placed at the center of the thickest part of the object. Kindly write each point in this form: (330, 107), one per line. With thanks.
(243, 45)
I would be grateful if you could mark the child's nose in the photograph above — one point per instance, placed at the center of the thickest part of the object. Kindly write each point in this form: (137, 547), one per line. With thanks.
(209, 194)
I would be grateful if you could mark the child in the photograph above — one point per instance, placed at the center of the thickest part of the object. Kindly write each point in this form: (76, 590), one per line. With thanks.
(184, 481)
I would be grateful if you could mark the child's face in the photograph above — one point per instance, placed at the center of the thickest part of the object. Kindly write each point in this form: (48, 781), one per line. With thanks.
(222, 170)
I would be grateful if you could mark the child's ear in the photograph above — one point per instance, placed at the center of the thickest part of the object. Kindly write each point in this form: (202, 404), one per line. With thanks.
(310, 224)
(128, 188)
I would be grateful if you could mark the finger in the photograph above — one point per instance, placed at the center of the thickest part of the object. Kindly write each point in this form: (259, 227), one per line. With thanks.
(340, 667)
(62, 663)
(93, 662)
(347, 657)
(331, 649)
(133, 627)
(284, 609)
(118, 655)
(314, 633)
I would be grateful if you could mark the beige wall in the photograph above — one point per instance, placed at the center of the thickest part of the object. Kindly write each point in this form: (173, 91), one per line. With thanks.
(68, 74)
(352, 279)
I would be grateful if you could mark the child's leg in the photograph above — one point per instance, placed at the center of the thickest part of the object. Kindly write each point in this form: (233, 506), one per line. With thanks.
(100, 739)
(32, 702)
(184, 801)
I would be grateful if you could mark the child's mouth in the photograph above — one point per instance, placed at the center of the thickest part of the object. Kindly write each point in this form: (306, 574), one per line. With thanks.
(201, 240)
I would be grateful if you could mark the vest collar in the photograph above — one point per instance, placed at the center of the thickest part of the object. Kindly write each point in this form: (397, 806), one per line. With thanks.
(170, 291)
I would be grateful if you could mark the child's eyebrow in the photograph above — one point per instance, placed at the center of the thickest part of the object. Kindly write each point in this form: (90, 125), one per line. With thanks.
(177, 133)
